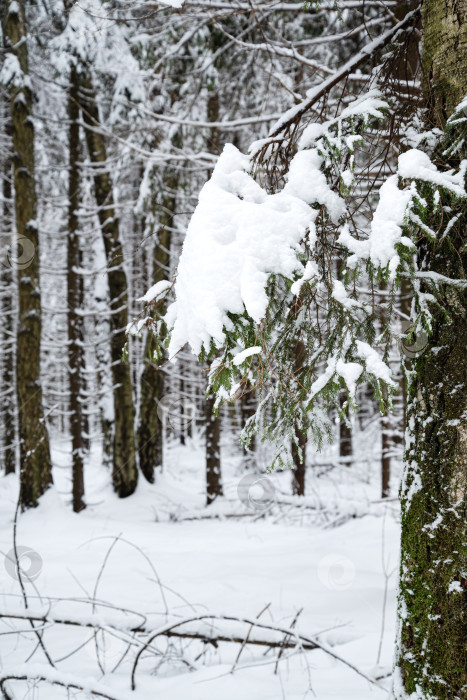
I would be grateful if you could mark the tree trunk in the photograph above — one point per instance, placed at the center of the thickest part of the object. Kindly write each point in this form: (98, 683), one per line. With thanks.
(150, 446)
(248, 405)
(432, 609)
(298, 459)
(124, 469)
(74, 298)
(385, 456)
(298, 448)
(8, 331)
(213, 426)
(213, 454)
(35, 463)
(345, 436)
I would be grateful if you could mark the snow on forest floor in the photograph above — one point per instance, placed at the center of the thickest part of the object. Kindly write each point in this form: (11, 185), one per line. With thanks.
(149, 554)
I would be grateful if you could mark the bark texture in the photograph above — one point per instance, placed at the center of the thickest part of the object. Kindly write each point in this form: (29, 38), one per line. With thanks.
(124, 468)
(298, 447)
(150, 434)
(75, 360)
(8, 414)
(213, 454)
(35, 464)
(432, 658)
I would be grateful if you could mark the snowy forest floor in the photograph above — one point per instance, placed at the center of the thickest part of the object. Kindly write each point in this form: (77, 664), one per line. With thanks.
(332, 555)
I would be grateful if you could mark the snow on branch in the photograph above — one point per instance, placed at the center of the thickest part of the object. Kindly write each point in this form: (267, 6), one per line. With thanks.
(296, 113)
(237, 237)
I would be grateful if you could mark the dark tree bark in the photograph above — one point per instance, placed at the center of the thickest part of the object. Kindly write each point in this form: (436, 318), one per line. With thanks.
(8, 331)
(433, 614)
(75, 360)
(150, 445)
(124, 468)
(299, 448)
(298, 459)
(213, 454)
(213, 425)
(345, 437)
(35, 463)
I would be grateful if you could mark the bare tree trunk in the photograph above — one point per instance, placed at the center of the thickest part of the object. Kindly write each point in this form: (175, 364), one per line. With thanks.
(298, 458)
(124, 468)
(150, 434)
(35, 463)
(385, 457)
(213, 426)
(8, 331)
(299, 448)
(345, 436)
(213, 455)
(431, 659)
(74, 298)
(248, 404)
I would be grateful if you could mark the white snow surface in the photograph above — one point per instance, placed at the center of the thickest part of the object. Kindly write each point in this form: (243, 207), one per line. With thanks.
(233, 567)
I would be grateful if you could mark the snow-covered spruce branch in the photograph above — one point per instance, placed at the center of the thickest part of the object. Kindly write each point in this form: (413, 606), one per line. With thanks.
(259, 285)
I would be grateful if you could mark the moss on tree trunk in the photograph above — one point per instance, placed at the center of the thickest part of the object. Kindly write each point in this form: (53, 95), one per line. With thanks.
(432, 658)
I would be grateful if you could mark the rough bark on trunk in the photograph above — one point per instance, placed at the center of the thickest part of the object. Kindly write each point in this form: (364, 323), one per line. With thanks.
(35, 463)
(150, 446)
(73, 299)
(124, 469)
(299, 448)
(8, 331)
(298, 459)
(213, 455)
(432, 609)
(213, 426)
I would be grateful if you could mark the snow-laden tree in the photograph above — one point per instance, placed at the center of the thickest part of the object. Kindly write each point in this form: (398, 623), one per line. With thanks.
(257, 277)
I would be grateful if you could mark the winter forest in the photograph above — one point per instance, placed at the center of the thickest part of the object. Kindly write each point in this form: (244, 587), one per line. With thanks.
(233, 335)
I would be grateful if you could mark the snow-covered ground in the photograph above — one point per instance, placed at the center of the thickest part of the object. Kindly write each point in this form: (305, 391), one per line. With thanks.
(151, 555)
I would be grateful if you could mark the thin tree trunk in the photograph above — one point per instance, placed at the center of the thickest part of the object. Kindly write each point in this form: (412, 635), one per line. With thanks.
(345, 436)
(213, 456)
(35, 463)
(299, 448)
(248, 404)
(299, 468)
(74, 298)
(150, 434)
(8, 331)
(385, 456)
(213, 424)
(432, 610)
(124, 468)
